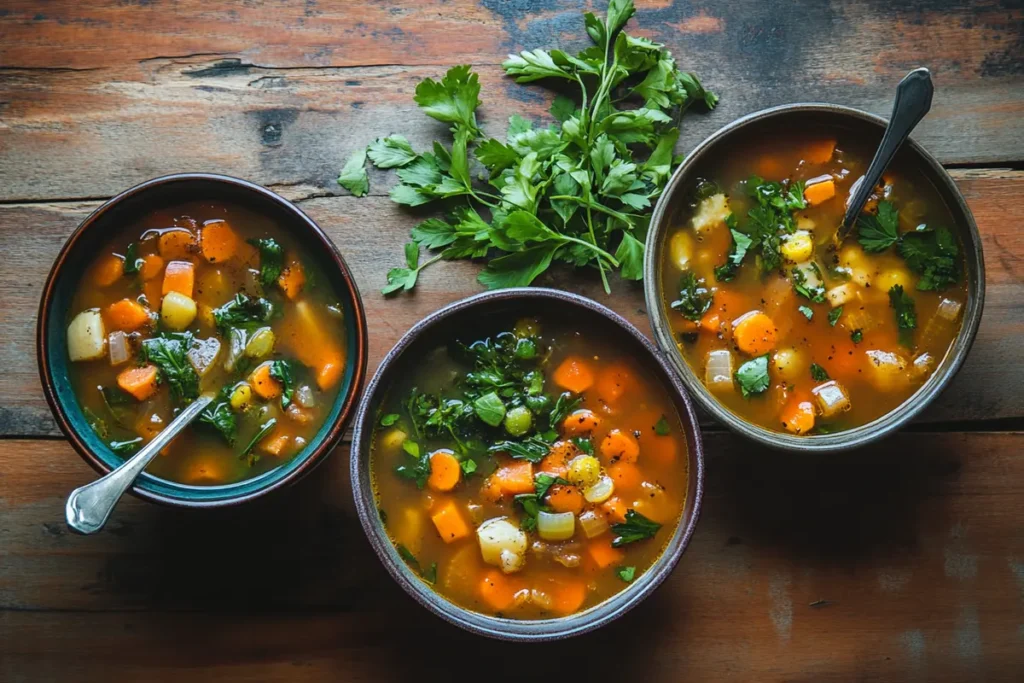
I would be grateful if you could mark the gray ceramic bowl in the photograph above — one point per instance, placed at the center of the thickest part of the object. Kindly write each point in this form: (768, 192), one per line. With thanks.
(467, 314)
(868, 128)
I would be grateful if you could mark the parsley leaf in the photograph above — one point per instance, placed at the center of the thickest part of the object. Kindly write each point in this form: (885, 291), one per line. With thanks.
(661, 427)
(818, 373)
(390, 152)
(417, 467)
(906, 314)
(452, 100)
(169, 352)
(220, 418)
(281, 371)
(584, 444)
(353, 175)
(694, 299)
(635, 528)
(857, 336)
(627, 574)
(543, 481)
(131, 259)
(405, 278)
(807, 311)
(260, 435)
(389, 419)
(740, 244)
(833, 315)
(271, 259)
(490, 409)
(880, 231)
(564, 405)
(241, 311)
(934, 255)
(752, 376)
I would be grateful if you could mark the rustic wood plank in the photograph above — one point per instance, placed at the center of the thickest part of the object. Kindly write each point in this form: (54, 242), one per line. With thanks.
(904, 561)
(281, 94)
(369, 233)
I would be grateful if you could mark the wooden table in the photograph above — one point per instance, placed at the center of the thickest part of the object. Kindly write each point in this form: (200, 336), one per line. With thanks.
(904, 561)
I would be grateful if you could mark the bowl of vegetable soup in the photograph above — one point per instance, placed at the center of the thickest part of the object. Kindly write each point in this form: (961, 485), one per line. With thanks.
(202, 284)
(526, 465)
(784, 335)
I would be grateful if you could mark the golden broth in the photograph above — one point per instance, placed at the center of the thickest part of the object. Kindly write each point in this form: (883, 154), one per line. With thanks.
(862, 350)
(557, 577)
(307, 332)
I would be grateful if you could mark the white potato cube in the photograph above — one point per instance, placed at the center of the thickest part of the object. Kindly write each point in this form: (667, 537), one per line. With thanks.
(789, 364)
(832, 398)
(711, 213)
(177, 311)
(843, 294)
(888, 279)
(87, 337)
(497, 535)
(886, 370)
(392, 439)
(680, 249)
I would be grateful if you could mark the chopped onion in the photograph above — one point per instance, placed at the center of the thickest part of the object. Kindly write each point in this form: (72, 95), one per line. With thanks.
(117, 346)
(304, 396)
(498, 534)
(510, 561)
(556, 526)
(567, 559)
(593, 524)
(541, 599)
(948, 309)
(832, 398)
(837, 296)
(886, 370)
(718, 370)
(601, 491)
(923, 364)
(236, 345)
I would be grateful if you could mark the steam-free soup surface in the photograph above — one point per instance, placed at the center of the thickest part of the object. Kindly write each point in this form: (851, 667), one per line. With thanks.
(207, 298)
(530, 473)
(787, 331)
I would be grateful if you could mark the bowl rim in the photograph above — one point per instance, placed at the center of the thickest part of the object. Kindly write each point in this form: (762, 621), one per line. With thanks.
(916, 402)
(513, 629)
(357, 356)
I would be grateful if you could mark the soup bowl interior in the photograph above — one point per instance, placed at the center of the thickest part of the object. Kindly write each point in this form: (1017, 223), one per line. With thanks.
(97, 233)
(841, 122)
(483, 312)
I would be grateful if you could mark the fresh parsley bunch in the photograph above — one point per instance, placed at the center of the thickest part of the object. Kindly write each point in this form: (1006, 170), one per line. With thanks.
(577, 192)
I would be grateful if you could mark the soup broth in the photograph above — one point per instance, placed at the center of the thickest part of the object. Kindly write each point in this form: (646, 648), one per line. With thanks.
(786, 330)
(207, 298)
(559, 483)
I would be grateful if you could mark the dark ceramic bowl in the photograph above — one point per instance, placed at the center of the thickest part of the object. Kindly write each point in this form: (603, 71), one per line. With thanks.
(866, 127)
(96, 232)
(470, 315)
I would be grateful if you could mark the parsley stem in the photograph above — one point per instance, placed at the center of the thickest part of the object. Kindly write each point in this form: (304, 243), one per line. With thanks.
(611, 259)
(474, 195)
(597, 205)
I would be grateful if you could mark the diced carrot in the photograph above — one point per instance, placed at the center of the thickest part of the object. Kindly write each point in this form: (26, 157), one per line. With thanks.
(292, 278)
(499, 591)
(330, 372)
(557, 460)
(153, 291)
(603, 554)
(140, 382)
(126, 315)
(581, 422)
(613, 382)
(177, 243)
(445, 471)
(218, 241)
(565, 498)
(626, 476)
(820, 192)
(568, 596)
(754, 333)
(710, 322)
(179, 277)
(450, 523)
(728, 304)
(275, 444)
(108, 270)
(265, 386)
(614, 509)
(491, 490)
(619, 446)
(819, 152)
(516, 476)
(798, 415)
(574, 374)
(306, 333)
(152, 266)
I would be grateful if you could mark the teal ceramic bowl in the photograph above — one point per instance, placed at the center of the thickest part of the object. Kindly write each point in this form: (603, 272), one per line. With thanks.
(68, 270)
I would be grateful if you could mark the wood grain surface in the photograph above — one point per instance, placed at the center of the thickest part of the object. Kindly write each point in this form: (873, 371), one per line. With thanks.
(900, 562)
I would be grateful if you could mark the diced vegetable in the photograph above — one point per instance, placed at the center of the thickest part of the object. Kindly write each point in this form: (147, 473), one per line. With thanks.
(619, 445)
(177, 243)
(292, 278)
(514, 477)
(563, 498)
(450, 522)
(260, 343)
(117, 344)
(612, 383)
(151, 268)
(574, 374)
(304, 396)
(241, 396)
(600, 491)
(887, 279)
(580, 421)
(236, 346)
(711, 213)
(593, 524)
(886, 370)
(832, 398)
(87, 336)
(296, 414)
(177, 311)
(179, 276)
(923, 365)
(789, 364)
(499, 592)
(108, 270)
(754, 333)
(139, 382)
(518, 421)
(843, 294)
(680, 249)
(626, 476)
(265, 386)
(798, 247)
(313, 345)
(497, 535)
(949, 309)
(218, 241)
(393, 439)
(584, 471)
(819, 152)
(445, 471)
(203, 355)
(798, 415)
(718, 370)
(603, 554)
(275, 445)
(126, 315)
(556, 526)
(819, 190)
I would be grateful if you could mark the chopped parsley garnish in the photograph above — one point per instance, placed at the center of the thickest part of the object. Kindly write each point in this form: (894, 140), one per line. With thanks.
(879, 231)
(694, 299)
(241, 311)
(490, 409)
(661, 427)
(219, 416)
(417, 466)
(635, 528)
(281, 371)
(543, 481)
(271, 259)
(857, 336)
(627, 574)
(260, 435)
(818, 373)
(169, 352)
(906, 315)
(740, 244)
(815, 293)
(807, 311)
(833, 315)
(584, 444)
(389, 419)
(131, 259)
(532, 448)
(752, 376)
(934, 255)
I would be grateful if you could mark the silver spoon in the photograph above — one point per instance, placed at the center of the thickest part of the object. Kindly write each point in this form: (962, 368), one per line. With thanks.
(913, 100)
(89, 506)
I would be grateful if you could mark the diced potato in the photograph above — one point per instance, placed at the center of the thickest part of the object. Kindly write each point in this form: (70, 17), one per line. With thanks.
(886, 370)
(853, 257)
(711, 213)
(798, 247)
(203, 354)
(680, 249)
(718, 370)
(655, 503)
(407, 528)
(861, 276)
(177, 311)
(789, 364)
(392, 439)
(511, 562)
(261, 343)
(497, 535)
(841, 295)
(241, 396)
(832, 398)
(859, 318)
(87, 337)
(887, 279)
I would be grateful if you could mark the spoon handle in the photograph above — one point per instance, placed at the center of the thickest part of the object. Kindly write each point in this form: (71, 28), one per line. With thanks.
(913, 100)
(89, 506)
